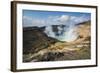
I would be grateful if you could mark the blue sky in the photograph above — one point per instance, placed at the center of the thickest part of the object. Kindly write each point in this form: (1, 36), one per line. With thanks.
(44, 18)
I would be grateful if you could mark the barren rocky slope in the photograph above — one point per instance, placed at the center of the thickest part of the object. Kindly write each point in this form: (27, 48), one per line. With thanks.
(37, 46)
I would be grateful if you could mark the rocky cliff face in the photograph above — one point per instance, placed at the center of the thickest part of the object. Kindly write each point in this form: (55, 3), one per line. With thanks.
(34, 39)
(38, 46)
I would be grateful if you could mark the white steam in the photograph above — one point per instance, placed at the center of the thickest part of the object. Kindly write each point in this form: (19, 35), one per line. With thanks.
(49, 32)
(67, 33)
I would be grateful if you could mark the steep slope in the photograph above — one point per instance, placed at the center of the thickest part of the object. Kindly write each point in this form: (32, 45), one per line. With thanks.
(34, 39)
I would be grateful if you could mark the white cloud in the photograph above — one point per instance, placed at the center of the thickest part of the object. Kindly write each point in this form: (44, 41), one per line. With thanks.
(53, 20)
(58, 20)
(28, 22)
(64, 18)
(79, 19)
(38, 22)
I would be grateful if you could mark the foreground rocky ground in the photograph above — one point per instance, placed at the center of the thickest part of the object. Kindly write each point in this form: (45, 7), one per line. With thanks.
(49, 49)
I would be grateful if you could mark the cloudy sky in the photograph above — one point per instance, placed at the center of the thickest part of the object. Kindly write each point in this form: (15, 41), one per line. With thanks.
(45, 18)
